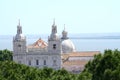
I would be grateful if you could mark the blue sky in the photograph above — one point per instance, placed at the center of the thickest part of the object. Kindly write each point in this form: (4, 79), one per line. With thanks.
(79, 16)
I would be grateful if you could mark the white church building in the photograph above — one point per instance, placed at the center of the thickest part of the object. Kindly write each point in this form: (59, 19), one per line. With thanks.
(58, 52)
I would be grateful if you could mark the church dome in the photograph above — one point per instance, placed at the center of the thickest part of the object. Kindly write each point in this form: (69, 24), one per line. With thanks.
(67, 46)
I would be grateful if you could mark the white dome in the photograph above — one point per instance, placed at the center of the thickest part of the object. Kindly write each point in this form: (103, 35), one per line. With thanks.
(68, 46)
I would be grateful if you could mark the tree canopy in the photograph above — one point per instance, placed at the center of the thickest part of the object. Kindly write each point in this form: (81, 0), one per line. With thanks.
(104, 66)
(5, 55)
(9, 70)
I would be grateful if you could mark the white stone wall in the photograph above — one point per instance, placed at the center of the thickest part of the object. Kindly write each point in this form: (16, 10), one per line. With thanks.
(19, 46)
(43, 57)
(38, 57)
(20, 58)
(49, 59)
(58, 47)
(41, 50)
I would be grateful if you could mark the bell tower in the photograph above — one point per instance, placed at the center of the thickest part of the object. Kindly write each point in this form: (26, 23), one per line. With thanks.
(54, 48)
(54, 41)
(19, 45)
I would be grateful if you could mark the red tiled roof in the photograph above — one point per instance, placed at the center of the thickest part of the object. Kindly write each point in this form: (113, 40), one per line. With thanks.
(84, 54)
(74, 62)
(67, 62)
(38, 44)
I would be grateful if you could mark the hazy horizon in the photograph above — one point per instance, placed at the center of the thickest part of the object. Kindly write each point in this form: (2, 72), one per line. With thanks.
(70, 35)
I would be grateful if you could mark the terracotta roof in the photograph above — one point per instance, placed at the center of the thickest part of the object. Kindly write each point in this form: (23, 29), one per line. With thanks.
(84, 54)
(64, 56)
(74, 62)
(38, 44)
(74, 66)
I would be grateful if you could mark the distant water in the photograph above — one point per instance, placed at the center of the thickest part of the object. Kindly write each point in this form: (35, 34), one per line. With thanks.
(96, 44)
(81, 44)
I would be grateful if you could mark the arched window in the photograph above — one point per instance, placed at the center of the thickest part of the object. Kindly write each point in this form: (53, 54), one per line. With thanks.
(19, 45)
(37, 62)
(54, 46)
(44, 62)
(29, 62)
(54, 63)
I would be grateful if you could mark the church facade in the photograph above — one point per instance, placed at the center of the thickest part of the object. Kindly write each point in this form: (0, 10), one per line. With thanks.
(42, 54)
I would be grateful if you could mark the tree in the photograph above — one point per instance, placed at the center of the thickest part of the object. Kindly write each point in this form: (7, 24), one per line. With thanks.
(105, 66)
(5, 55)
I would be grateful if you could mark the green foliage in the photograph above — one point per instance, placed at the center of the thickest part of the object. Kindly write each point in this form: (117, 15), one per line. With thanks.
(105, 66)
(84, 76)
(10, 70)
(5, 55)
